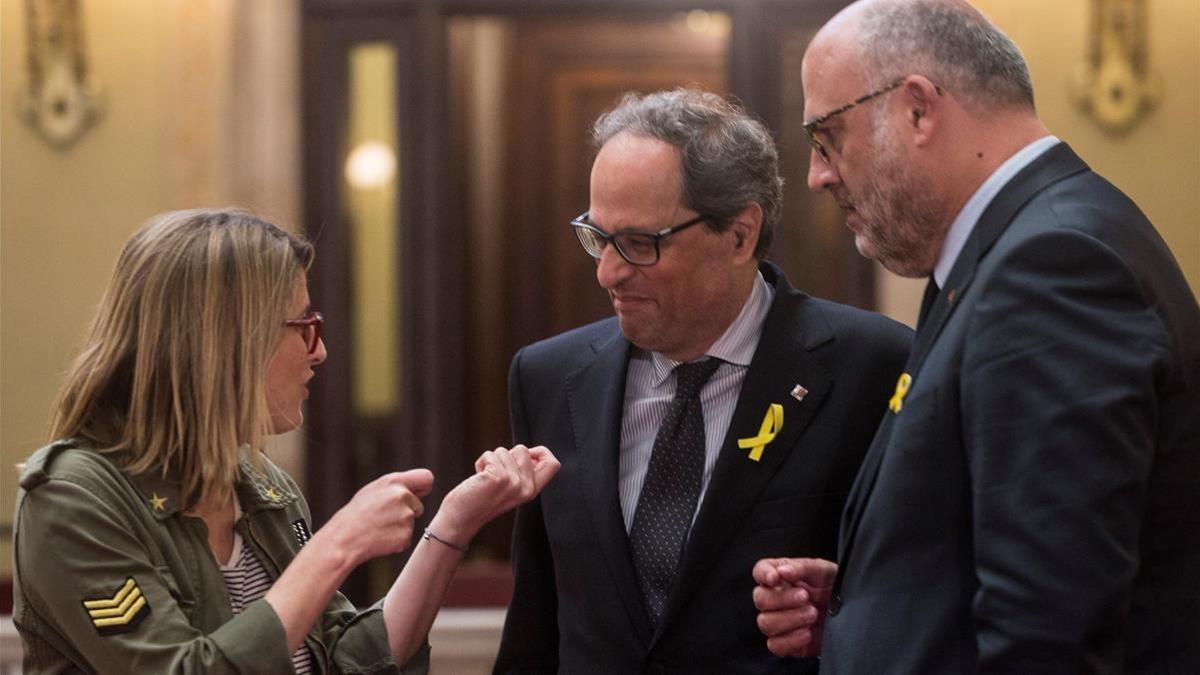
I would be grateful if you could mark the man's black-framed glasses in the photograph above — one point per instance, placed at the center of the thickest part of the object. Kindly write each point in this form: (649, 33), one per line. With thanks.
(813, 126)
(310, 328)
(637, 248)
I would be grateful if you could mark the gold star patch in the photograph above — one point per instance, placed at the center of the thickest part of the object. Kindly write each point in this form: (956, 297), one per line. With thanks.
(120, 613)
(271, 494)
(159, 503)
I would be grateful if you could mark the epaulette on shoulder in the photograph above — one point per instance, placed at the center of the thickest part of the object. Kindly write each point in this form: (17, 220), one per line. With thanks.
(37, 469)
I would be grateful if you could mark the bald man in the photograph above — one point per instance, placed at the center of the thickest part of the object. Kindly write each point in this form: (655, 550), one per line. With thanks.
(1030, 501)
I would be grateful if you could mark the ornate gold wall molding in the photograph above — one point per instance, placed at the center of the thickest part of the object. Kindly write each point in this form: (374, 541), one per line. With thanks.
(1115, 86)
(62, 101)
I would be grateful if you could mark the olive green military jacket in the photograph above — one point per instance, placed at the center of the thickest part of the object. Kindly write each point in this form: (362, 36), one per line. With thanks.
(112, 578)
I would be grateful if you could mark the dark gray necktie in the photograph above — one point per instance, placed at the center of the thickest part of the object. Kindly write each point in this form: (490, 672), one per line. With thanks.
(672, 487)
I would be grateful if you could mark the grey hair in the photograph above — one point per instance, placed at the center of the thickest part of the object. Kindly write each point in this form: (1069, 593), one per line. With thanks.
(954, 46)
(728, 157)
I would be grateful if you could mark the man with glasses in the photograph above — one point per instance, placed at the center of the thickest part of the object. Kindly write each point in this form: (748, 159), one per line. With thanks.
(720, 416)
(1029, 503)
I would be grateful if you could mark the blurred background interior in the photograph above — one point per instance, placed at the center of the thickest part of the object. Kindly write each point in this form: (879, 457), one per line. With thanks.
(435, 151)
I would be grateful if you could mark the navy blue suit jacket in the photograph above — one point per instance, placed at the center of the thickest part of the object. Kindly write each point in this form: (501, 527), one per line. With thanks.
(576, 607)
(1034, 506)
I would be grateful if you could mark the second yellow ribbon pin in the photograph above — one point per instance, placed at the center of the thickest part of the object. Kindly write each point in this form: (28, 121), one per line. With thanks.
(902, 385)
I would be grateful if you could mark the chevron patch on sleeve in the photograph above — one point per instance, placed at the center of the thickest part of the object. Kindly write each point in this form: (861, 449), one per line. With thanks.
(120, 613)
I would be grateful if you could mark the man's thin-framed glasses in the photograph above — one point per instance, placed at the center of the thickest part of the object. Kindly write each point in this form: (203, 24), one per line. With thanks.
(310, 328)
(637, 248)
(812, 126)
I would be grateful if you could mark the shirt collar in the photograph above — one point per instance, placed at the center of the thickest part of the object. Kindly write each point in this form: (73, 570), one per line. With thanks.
(964, 223)
(737, 344)
(257, 490)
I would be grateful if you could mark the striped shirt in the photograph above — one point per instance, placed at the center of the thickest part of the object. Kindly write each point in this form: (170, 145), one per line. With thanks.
(247, 580)
(650, 386)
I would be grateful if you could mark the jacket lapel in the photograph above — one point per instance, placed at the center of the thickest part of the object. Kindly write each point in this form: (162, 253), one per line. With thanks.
(595, 398)
(781, 361)
(1055, 164)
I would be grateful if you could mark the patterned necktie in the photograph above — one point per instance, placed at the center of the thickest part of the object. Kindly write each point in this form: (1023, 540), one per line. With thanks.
(672, 487)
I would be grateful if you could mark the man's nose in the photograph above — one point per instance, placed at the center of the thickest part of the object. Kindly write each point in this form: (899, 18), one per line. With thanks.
(611, 268)
(821, 173)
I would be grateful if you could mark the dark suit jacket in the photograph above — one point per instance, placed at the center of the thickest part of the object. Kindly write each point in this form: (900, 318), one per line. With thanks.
(577, 607)
(1035, 504)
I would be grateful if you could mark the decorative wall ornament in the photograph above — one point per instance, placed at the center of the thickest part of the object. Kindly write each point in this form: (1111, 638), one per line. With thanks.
(1115, 85)
(62, 102)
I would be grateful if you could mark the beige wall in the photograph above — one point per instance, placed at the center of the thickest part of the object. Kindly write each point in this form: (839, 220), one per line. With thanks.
(1157, 163)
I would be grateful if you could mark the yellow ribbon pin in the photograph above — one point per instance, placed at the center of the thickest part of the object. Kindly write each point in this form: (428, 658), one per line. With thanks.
(771, 425)
(902, 386)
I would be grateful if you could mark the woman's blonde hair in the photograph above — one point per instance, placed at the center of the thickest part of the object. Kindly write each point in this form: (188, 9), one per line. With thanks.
(172, 376)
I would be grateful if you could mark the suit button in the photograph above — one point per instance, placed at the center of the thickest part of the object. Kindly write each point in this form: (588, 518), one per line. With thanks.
(835, 605)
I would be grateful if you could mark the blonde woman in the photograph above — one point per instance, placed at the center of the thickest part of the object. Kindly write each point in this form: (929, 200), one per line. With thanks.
(153, 536)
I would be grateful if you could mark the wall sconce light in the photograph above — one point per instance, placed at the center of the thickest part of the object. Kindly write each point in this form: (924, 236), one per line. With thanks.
(371, 165)
(1115, 86)
(61, 103)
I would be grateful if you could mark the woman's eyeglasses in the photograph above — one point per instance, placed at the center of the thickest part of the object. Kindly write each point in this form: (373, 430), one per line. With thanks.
(310, 328)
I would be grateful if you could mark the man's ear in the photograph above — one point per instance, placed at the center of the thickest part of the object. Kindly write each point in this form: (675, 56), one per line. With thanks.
(746, 226)
(924, 103)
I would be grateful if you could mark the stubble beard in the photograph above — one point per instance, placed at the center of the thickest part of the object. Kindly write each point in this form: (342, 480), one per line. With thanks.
(900, 224)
